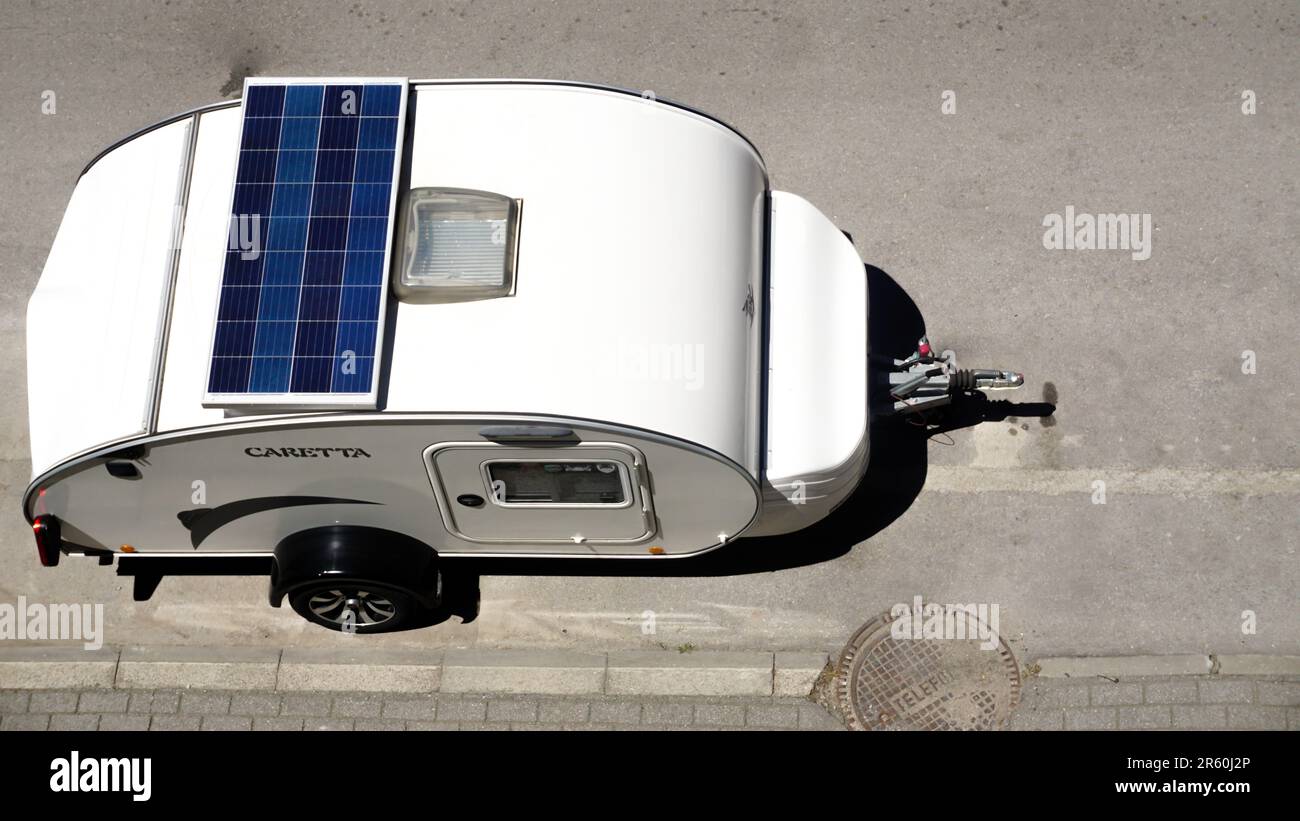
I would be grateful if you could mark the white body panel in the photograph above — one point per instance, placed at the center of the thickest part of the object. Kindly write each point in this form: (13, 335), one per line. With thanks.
(817, 410)
(370, 469)
(95, 321)
(640, 239)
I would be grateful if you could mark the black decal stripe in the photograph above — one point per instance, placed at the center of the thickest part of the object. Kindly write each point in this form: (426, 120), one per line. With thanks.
(203, 522)
(189, 517)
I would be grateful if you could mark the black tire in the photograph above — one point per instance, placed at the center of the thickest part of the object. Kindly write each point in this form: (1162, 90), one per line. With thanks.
(374, 608)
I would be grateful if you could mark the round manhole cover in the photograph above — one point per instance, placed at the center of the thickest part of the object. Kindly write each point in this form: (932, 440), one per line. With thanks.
(903, 677)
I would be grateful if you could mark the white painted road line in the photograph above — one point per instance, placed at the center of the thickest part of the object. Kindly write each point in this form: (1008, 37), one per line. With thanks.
(1154, 482)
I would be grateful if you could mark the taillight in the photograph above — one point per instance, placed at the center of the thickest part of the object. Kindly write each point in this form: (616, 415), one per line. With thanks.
(48, 540)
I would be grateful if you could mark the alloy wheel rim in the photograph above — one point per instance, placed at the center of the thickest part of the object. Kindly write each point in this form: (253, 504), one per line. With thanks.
(356, 606)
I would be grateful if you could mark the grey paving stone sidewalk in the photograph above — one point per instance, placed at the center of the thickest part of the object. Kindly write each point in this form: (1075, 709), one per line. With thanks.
(1210, 702)
(263, 710)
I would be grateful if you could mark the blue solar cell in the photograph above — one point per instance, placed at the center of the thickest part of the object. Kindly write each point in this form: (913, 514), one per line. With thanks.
(342, 101)
(368, 234)
(282, 268)
(295, 166)
(374, 166)
(328, 234)
(371, 199)
(279, 303)
(291, 199)
(316, 340)
(377, 133)
(303, 101)
(256, 166)
(319, 304)
(323, 268)
(315, 371)
(313, 376)
(364, 268)
(312, 199)
(338, 133)
(286, 233)
(359, 302)
(270, 374)
(357, 378)
(252, 198)
(331, 199)
(299, 133)
(234, 339)
(241, 271)
(261, 133)
(357, 337)
(238, 304)
(230, 374)
(336, 166)
(382, 101)
(264, 101)
(274, 339)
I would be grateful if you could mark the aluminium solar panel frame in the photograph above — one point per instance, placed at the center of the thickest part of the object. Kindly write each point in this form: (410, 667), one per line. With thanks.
(269, 402)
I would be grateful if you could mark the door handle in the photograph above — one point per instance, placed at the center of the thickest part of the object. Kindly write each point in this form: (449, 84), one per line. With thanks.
(527, 433)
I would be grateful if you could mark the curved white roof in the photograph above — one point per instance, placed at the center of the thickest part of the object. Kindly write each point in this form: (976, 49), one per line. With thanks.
(640, 240)
(640, 250)
(95, 321)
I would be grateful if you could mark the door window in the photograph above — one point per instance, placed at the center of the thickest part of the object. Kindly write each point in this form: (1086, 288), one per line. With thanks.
(558, 482)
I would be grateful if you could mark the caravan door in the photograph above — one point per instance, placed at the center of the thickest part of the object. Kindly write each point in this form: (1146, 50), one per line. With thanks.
(570, 494)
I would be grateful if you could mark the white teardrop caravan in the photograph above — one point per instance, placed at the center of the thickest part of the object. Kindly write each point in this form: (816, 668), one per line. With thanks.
(598, 333)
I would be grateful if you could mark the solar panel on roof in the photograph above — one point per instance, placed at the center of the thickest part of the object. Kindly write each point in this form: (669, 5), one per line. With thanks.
(303, 290)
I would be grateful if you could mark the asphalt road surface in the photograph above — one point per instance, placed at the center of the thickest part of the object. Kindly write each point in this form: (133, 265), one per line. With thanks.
(1103, 107)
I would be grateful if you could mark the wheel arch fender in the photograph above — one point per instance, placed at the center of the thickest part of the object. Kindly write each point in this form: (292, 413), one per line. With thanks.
(355, 553)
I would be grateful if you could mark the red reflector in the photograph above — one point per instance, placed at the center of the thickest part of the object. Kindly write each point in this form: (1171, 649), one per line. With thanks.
(48, 540)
